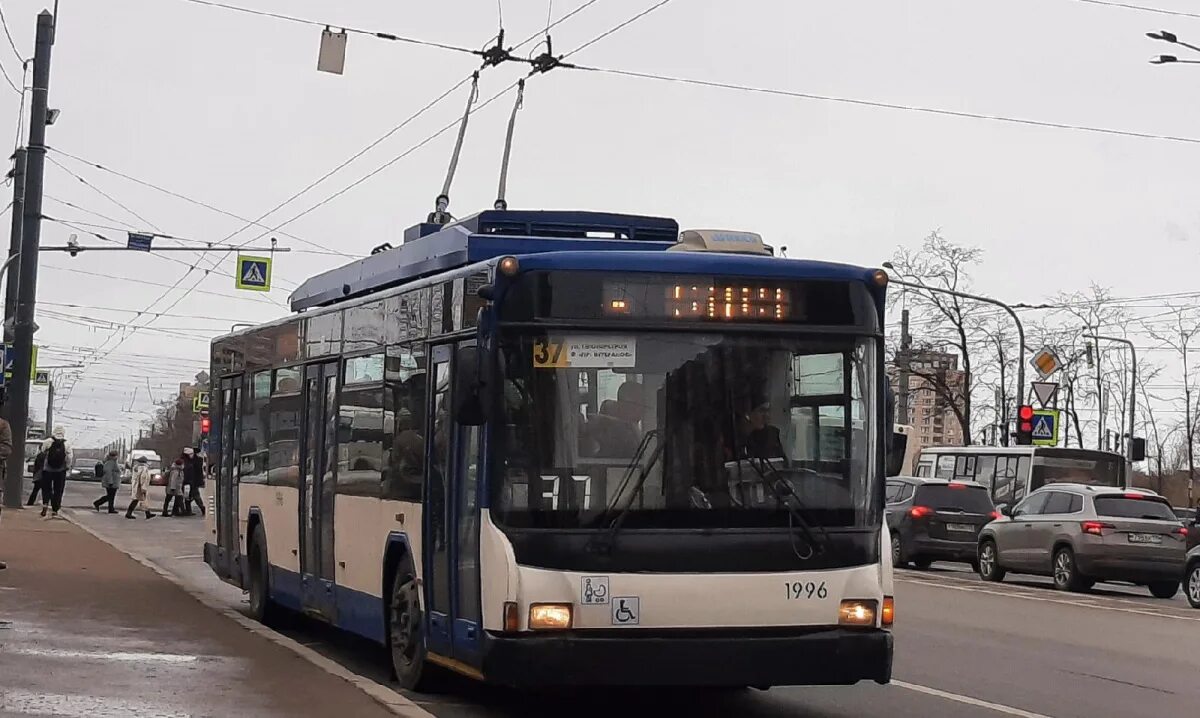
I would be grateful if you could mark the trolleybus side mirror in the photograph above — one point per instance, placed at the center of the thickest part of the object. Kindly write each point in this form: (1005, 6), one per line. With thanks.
(470, 406)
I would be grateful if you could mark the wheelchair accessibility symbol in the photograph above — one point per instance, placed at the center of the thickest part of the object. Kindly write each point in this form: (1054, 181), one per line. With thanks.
(625, 610)
(593, 590)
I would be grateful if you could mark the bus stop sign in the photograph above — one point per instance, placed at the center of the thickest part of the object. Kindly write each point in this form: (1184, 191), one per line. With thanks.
(1045, 427)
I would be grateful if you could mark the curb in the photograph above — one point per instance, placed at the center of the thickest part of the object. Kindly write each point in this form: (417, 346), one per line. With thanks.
(395, 703)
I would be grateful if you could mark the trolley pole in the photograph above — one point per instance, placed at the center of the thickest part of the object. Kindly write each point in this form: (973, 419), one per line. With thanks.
(31, 232)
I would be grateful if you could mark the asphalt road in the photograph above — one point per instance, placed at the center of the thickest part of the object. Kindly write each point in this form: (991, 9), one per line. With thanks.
(963, 648)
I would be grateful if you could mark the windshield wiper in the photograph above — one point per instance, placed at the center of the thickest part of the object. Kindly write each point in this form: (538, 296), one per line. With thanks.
(782, 490)
(614, 525)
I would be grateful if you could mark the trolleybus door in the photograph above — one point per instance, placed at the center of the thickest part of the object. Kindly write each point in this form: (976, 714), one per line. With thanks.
(451, 521)
(318, 483)
(228, 413)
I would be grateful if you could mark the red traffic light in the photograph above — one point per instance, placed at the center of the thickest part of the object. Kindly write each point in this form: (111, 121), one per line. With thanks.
(205, 424)
(1025, 413)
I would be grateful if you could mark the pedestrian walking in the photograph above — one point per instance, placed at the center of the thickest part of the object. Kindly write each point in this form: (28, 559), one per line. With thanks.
(6, 447)
(109, 472)
(59, 459)
(39, 460)
(139, 486)
(193, 464)
(175, 478)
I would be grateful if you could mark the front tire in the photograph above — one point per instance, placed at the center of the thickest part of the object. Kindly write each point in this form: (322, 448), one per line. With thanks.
(1192, 584)
(1164, 589)
(406, 635)
(989, 562)
(1066, 573)
(897, 553)
(262, 609)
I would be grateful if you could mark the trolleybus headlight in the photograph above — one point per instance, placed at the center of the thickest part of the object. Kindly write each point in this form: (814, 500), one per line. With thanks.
(880, 277)
(857, 613)
(888, 615)
(549, 616)
(509, 266)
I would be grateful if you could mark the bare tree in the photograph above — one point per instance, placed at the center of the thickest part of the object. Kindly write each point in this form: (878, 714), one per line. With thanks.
(1181, 333)
(950, 320)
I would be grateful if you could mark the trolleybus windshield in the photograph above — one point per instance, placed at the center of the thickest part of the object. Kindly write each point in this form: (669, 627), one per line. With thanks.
(587, 413)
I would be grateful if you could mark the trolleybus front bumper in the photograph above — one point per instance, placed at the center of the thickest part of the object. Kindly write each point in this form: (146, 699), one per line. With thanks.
(645, 657)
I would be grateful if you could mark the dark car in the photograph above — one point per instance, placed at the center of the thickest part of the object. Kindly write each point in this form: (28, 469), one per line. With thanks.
(1080, 534)
(935, 519)
(83, 472)
(1191, 577)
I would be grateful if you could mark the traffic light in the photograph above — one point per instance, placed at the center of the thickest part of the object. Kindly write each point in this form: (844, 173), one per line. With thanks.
(1024, 425)
(205, 424)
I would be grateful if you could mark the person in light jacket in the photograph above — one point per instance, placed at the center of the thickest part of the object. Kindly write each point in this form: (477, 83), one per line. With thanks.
(110, 479)
(139, 486)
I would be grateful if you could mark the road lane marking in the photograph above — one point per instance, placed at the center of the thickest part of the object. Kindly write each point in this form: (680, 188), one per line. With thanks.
(1044, 599)
(125, 656)
(968, 700)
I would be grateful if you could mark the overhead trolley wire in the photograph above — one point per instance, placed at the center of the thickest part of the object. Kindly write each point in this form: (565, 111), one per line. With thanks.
(190, 200)
(889, 105)
(316, 23)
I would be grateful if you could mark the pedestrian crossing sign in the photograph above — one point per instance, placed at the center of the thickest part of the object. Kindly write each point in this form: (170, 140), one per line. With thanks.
(253, 273)
(1045, 427)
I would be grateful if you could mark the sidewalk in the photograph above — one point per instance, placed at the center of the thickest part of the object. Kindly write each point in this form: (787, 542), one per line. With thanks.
(87, 631)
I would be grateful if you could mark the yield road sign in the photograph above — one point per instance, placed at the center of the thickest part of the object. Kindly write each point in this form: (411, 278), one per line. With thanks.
(1045, 362)
(253, 273)
(1045, 427)
(1046, 392)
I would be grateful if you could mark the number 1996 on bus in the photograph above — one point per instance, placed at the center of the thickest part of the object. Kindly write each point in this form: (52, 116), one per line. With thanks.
(804, 590)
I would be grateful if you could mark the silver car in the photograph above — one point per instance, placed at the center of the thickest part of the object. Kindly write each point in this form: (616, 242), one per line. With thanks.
(1081, 534)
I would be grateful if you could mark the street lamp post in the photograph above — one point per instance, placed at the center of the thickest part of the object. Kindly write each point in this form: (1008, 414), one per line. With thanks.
(1132, 383)
(986, 300)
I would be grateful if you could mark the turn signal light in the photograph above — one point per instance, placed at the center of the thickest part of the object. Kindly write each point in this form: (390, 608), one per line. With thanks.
(920, 512)
(512, 619)
(1096, 528)
(857, 613)
(549, 616)
(888, 614)
(1182, 531)
(996, 515)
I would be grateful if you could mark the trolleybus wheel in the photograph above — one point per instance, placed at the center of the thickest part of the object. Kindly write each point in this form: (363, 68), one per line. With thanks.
(406, 635)
(262, 609)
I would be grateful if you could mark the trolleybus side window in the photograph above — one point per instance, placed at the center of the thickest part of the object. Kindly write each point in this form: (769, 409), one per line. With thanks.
(284, 457)
(361, 427)
(945, 466)
(255, 450)
(1022, 476)
(404, 412)
(964, 468)
(439, 464)
(985, 470)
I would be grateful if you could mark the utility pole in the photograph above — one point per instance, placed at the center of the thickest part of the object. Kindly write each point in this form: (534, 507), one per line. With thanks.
(31, 232)
(50, 408)
(14, 239)
(1132, 387)
(905, 351)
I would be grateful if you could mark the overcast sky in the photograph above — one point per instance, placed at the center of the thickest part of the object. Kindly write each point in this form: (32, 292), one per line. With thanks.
(229, 109)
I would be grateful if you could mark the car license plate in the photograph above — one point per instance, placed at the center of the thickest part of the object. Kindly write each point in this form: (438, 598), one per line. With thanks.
(1145, 538)
(960, 527)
